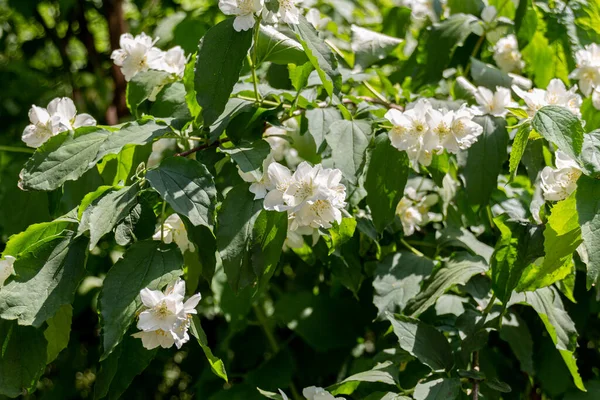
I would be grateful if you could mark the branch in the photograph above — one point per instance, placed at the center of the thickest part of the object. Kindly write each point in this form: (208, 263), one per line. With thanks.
(201, 147)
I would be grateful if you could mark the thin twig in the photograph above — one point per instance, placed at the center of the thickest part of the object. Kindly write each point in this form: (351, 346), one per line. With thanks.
(201, 147)
(475, 381)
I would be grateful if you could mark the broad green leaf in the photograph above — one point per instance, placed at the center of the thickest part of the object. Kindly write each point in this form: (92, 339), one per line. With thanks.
(111, 209)
(383, 373)
(221, 54)
(119, 369)
(35, 235)
(398, 279)
(464, 238)
(119, 169)
(249, 126)
(268, 235)
(250, 157)
(233, 108)
(22, 358)
(87, 201)
(497, 385)
(423, 341)
(514, 330)
(340, 234)
(456, 271)
(58, 332)
(138, 225)
(278, 48)
(386, 177)
(561, 127)
(235, 222)
(319, 123)
(543, 60)
(216, 365)
(170, 103)
(190, 92)
(369, 46)
(299, 75)
(549, 307)
(346, 265)
(588, 204)
(562, 236)
(47, 274)
(144, 85)
(204, 239)
(488, 76)
(66, 156)
(473, 7)
(438, 389)
(320, 55)
(482, 162)
(590, 115)
(188, 187)
(349, 141)
(518, 148)
(590, 154)
(146, 264)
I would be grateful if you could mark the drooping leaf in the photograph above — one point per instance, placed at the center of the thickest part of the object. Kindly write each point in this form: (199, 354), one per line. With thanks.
(299, 75)
(349, 141)
(221, 53)
(188, 187)
(423, 341)
(383, 373)
(588, 204)
(437, 389)
(518, 148)
(278, 48)
(561, 127)
(58, 332)
(216, 365)
(146, 264)
(319, 123)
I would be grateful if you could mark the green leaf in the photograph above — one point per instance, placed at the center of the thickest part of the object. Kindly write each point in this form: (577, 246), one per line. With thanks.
(349, 141)
(233, 108)
(66, 156)
(383, 373)
(549, 307)
(58, 332)
(488, 76)
(138, 225)
(423, 341)
(268, 235)
(386, 177)
(340, 234)
(320, 55)
(119, 369)
(588, 204)
(482, 162)
(497, 385)
(464, 238)
(456, 271)
(204, 239)
(514, 330)
(190, 92)
(398, 279)
(299, 75)
(518, 148)
(35, 235)
(47, 274)
(369, 46)
(562, 236)
(146, 264)
(119, 169)
(142, 86)
(216, 365)
(561, 127)
(590, 154)
(188, 187)
(109, 211)
(22, 358)
(170, 103)
(235, 222)
(250, 157)
(278, 48)
(319, 123)
(438, 389)
(221, 54)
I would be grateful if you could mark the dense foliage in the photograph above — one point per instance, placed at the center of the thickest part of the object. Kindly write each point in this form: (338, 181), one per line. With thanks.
(322, 200)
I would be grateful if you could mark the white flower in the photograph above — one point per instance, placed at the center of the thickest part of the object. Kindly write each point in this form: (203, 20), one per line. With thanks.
(174, 231)
(6, 268)
(318, 393)
(173, 61)
(488, 14)
(493, 103)
(136, 54)
(288, 13)
(314, 17)
(596, 99)
(166, 319)
(244, 10)
(411, 132)
(588, 68)
(507, 55)
(413, 210)
(59, 116)
(258, 186)
(463, 131)
(558, 183)
(555, 94)
(280, 178)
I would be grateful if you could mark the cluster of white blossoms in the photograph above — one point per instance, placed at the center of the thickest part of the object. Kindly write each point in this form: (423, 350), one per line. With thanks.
(313, 393)
(507, 55)
(492, 103)
(558, 183)
(166, 318)
(588, 72)
(247, 11)
(6, 268)
(423, 131)
(312, 196)
(138, 54)
(555, 94)
(60, 115)
(173, 230)
(413, 210)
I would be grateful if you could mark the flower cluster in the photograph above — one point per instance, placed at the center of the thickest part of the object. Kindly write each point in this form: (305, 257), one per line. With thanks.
(173, 230)
(138, 54)
(312, 196)
(423, 131)
(166, 319)
(507, 55)
(493, 103)
(60, 115)
(555, 94)
(413, 210)
(558, 183)
(246, 11)
(6, 268)
(588, 68)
